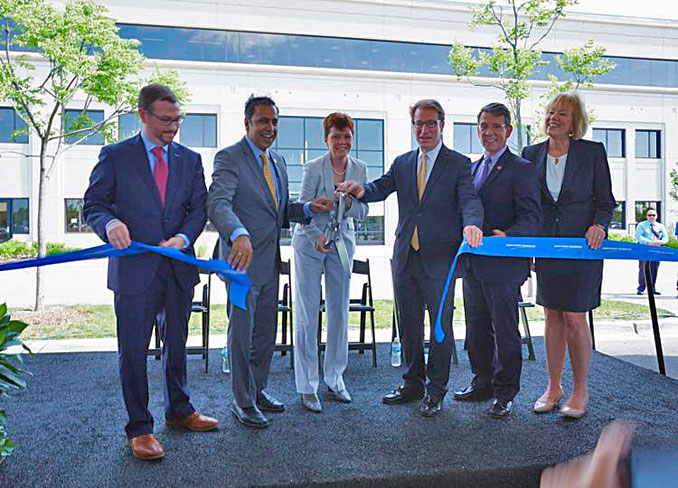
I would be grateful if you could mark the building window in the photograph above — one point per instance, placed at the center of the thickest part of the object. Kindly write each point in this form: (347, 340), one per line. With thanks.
(648, 144)
(199, 130)
(10, 121)
(14, 217)
(128, 125)
(75, 221)
(370, 230)
(619, 216)
(301, 139)
(466, 139)
(223, 46)
(614, 141)
(642, 206)
(77, 119)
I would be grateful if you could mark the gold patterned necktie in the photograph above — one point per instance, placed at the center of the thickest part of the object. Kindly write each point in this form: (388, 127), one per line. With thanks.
(421, 186)
(268, 177)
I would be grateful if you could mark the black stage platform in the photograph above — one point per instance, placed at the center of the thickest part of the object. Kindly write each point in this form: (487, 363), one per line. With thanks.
(68, 429)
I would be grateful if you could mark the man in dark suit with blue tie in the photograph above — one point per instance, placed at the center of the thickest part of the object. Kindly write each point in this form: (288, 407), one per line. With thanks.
(437, 206)
(508, 187)
(152, 190)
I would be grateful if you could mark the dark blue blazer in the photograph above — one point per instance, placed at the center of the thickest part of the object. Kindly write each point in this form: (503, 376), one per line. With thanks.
(586, 194)
(122, 187)
(511, 203)
(448, 204)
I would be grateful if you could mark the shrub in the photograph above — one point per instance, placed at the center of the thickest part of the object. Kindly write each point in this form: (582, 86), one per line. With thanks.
(620, 237)
(11, 371)
(20, 250)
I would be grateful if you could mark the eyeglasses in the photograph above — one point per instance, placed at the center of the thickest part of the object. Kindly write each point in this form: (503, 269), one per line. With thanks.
(168, 121)
(651, 215)
(430, 124)
(493, 127)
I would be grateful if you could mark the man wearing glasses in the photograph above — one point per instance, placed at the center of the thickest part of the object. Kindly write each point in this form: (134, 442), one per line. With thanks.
(152, 190)
(509, 190)
(652, 233)
(437, 206)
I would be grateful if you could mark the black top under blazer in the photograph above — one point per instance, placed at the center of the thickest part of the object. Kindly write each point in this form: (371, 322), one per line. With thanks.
(511, 203)
(449, 203)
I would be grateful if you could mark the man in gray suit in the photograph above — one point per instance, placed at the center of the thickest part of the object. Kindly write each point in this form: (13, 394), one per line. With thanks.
(248, 203)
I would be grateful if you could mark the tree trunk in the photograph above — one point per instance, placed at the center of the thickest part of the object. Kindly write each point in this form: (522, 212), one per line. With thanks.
(42, 243)
(519, 127)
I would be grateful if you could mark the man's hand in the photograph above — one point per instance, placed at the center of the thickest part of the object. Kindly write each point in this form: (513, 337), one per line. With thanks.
(352, 187)
(321, 244)
(474, 236)
(594, 237)
(498, 233)
(656, 243)
(176, 242)
(241, 253)
(322, 205)
(118, 235)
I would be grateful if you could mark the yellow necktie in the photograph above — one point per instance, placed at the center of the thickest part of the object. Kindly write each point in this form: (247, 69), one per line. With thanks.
(421, 186)
(269, 179)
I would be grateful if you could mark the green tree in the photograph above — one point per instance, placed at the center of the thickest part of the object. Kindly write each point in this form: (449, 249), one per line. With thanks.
(54, 57)
(522, 25)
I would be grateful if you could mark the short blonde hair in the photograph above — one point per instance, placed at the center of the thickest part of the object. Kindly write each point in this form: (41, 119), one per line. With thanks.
(580, 120)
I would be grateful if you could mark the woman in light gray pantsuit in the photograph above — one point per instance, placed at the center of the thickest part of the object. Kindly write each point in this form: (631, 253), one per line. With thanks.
(313, 256)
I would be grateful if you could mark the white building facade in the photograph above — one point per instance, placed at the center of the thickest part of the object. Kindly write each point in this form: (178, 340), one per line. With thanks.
(371, 59)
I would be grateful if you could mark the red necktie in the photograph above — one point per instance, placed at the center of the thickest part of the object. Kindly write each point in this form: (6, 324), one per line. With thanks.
(161, 172)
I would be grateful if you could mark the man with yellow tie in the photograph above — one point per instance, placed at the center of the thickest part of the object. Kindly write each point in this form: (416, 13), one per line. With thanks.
(437, 206)
(248, 203)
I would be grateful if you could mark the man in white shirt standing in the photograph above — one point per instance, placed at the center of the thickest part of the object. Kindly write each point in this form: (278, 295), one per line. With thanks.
(652, 233)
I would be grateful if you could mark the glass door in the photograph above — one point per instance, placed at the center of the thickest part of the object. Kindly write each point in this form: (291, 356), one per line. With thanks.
(5, 229)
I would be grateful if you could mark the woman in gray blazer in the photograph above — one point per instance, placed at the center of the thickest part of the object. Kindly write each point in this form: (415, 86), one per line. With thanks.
(577, 201)
(313, 255)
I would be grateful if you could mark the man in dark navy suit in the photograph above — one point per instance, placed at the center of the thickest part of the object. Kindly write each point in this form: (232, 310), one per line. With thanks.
(152, 190)
(437, 206)
(509, 190)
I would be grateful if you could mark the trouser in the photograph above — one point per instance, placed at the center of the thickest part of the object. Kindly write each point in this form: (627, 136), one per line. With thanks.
(251, 341)
(416, 292)
(169, 304)
(494, 342)
(308, 269)
(654, 267)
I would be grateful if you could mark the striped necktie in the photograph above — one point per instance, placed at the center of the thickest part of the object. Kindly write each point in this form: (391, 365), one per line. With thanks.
(268, 177)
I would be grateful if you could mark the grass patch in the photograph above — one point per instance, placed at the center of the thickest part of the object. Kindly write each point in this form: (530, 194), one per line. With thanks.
(97, 321)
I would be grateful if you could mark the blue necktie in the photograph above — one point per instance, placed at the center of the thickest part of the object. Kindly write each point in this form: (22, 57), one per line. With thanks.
(483, 171)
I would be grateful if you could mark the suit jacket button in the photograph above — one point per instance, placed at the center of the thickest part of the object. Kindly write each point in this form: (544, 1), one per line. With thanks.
(557, 220)
(164, 221)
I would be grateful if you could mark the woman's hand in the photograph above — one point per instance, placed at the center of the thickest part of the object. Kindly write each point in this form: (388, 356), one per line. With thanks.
(594, 236)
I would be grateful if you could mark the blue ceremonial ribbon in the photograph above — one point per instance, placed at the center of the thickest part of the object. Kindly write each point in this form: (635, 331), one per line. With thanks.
(552, 247)
(239, 282)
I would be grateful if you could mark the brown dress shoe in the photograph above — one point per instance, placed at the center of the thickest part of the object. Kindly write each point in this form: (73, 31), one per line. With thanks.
(196, 422)
(146, 447)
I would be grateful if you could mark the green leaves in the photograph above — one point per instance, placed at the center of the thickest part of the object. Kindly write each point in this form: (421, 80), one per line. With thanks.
(521, 25)
(12, 370)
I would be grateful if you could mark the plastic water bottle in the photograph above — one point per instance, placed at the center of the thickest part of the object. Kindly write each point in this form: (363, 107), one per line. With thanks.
(396, 348)
(225, 360)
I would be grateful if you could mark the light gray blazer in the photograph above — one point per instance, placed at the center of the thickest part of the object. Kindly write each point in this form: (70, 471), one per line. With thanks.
(318, 182)
(238, 196)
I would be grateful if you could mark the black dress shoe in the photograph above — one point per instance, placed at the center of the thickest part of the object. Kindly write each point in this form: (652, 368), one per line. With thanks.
(267, 403)
(430, 406)
(500, 409)
(249, 416)
(402, 395)
(656, 292)
(473, 393)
